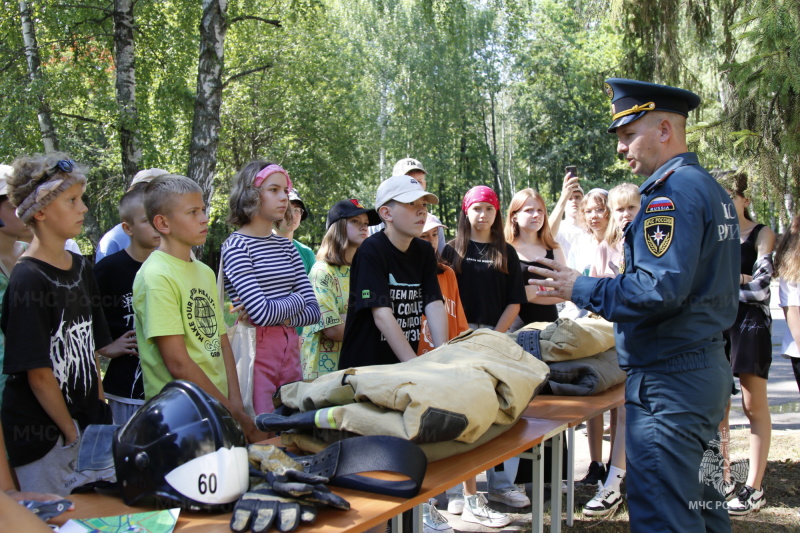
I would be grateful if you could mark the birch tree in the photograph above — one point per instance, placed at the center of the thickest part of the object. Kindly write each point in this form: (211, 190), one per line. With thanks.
(208, 102)
(124, 58)
(49, 137)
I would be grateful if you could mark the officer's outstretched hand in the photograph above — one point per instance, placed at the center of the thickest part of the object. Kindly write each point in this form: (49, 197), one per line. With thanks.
(560, 278)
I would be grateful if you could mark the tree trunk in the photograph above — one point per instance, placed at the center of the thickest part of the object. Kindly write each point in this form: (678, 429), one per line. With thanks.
(49, 138)
(126, 88)
(208, 102)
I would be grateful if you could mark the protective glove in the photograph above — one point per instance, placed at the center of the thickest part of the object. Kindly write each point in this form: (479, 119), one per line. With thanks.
(286, 477)
(260, 508)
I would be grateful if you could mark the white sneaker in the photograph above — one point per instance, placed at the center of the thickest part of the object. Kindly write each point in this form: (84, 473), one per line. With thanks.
(432, 519)
(746, 501)
(455, 505)
(604, 502)
(511, 497)
(478, 511)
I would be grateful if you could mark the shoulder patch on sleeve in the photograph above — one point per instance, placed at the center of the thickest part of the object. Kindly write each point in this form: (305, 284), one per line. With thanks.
(658, 233)
(365, 294)
(659, 204)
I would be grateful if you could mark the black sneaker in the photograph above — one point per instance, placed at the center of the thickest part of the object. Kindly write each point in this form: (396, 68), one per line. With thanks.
(595, 475)
(605, 502)
(746, 501)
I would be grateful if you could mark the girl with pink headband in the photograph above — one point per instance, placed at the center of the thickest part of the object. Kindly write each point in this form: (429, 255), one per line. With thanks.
(490, 283)
(264, 272)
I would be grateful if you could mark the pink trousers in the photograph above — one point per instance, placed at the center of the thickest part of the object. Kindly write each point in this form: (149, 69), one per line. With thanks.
(277, 362)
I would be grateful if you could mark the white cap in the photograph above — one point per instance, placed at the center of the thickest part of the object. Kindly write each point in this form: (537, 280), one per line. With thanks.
(147, 175)
(403, 189)
(404, 166)
(432, 222)
(5, 173)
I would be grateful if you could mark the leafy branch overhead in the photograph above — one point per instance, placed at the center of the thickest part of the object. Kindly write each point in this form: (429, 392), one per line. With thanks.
(497, 92)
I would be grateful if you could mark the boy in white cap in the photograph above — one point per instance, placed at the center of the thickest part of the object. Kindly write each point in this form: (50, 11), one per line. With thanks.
(393, 282)
(413, 167)
(116, 239)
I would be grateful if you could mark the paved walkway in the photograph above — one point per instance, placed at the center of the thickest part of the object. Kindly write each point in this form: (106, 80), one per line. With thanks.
(784, 397)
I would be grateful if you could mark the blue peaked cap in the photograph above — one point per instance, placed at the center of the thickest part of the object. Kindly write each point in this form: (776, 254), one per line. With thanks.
(631, 99)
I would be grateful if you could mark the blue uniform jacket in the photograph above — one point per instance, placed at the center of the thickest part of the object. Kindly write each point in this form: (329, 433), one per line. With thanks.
(680, 285)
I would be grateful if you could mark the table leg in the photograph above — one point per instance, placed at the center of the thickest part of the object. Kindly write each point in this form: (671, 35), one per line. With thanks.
(537, 483)
(570, 476)
(555, 483)
(397, 523)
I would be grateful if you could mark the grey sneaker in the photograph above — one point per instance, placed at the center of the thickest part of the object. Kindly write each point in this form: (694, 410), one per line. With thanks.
(511, 497)
(477, 511)
(432, 519)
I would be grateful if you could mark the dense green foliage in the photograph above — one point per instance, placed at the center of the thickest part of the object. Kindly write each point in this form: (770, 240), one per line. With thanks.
(497, 92)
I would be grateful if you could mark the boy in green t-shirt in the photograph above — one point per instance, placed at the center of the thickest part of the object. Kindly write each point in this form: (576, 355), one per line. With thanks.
(179, 323)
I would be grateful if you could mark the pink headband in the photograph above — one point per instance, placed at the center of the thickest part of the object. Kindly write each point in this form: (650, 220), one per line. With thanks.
(481, 193)
(267, 171)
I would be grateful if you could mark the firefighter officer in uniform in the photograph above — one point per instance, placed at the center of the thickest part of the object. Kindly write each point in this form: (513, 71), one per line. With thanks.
(677, 293)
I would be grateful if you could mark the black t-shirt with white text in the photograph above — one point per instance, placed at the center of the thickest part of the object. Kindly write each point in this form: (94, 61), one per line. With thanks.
(383, 276)
(485, 291)
(115, 274)
(52, 319)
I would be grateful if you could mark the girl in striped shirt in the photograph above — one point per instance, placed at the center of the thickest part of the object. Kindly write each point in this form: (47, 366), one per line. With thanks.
(265, 272)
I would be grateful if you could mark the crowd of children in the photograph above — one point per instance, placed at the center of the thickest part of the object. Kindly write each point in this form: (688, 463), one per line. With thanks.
(368, 297)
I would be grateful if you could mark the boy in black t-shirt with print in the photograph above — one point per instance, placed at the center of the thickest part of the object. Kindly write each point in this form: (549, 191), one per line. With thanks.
(115, 273)
(54, 325)
(393, 282)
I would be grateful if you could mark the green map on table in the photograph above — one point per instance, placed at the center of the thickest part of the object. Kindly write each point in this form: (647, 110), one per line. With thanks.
(149, 522)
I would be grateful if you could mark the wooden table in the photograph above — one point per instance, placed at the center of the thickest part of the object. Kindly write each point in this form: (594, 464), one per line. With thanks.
(573, 411)
(368, 509)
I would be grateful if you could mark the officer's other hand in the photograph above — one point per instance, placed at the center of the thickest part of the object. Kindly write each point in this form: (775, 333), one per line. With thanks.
(560, 279)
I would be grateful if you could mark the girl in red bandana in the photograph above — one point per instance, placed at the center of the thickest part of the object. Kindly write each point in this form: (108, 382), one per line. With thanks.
(491, 287)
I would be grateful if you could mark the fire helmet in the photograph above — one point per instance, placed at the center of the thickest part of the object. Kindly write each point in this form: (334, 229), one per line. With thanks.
(182, 448)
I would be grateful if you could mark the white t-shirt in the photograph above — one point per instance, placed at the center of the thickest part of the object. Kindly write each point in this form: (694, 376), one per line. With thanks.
(581, 257)
(568, 234)
(789, 294)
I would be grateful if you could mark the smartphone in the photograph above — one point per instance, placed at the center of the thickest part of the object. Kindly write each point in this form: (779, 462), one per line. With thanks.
(571, 169)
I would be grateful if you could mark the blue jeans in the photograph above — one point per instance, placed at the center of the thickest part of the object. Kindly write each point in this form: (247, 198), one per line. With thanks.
(498, 482)
(671, 421)
(503, 481)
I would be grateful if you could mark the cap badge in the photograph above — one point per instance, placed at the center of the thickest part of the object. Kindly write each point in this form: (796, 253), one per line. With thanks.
(609, 90)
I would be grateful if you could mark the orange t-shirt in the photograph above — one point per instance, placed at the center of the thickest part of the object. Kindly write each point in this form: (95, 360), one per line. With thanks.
(456, 319)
